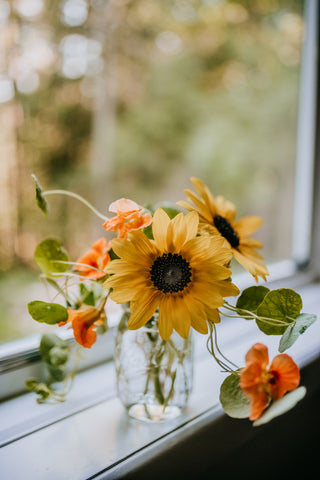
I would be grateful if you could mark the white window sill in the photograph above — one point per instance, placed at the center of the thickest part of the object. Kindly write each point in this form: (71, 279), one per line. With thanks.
(91, 436)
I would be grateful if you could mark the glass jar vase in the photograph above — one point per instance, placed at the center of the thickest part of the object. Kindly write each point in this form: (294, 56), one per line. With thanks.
(154, 376)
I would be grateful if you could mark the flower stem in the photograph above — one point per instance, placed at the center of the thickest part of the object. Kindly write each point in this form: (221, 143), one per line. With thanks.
(212, 344)
(77, 197)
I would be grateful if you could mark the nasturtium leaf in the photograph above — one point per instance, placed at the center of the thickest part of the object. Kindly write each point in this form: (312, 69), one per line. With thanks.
(50, 313)
(283, 304)
(170, 208)
(49, 341)
(40, 199)
(233, 400)
(43, 390)
(302, 322)
(57, 373)
(58, 356)
(281, 406)
(87, 295)
(251, 298)
(31, 383)
(48, 254)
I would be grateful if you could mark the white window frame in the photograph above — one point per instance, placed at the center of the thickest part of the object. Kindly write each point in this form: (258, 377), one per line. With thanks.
(301, 273)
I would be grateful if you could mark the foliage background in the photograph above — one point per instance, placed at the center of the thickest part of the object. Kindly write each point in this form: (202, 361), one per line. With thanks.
(125, 98)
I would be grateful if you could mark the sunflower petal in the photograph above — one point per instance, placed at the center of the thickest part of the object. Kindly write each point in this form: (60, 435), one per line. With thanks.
(247, 225)
(178, 227)
(159, 228)
(165, 319)
(200, 205)
(143, 309)
(181, 317)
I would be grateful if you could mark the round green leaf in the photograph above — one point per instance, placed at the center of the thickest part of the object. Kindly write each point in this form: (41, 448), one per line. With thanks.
(281, 406)
(49, 341)
(233, 400)
(302, 322)
(48, 254)
(283, 304)
(58, 356)
(50, 313)
(170, 208)
(57, 373)
(251, 298)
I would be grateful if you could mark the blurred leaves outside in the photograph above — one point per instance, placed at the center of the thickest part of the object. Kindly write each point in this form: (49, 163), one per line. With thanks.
(129, 98)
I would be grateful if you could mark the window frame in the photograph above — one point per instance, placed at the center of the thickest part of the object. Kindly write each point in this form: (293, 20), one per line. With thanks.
(21, 359)
(210, 429)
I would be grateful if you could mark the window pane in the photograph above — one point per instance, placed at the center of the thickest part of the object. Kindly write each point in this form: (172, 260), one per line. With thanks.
(130, 99)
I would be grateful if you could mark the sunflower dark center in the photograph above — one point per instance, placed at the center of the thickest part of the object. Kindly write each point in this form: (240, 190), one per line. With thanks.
(170, 273)
(226, 230)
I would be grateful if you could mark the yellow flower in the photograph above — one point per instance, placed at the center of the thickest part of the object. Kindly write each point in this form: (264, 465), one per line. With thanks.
(217, 217)
(181, 274)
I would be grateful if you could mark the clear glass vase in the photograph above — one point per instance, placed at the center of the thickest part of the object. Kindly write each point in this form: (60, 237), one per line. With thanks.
(154, 377)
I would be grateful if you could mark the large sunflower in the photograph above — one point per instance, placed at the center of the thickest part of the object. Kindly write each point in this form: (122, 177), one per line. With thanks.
(217, 217)
(181, 274)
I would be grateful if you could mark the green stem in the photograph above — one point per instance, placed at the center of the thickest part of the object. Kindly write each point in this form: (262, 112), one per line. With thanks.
(252, 316)
(77, 197)
(211, 350)
(80, 264)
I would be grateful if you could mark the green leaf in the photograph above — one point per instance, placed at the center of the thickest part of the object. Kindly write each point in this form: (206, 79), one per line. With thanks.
(31, 383)
(283, 304)
(278, 407)
(40, 199)
(251, 298)
(57, 373)
(170, 208)
(87, 295)
(233, 400)
(49, 341)
(43, 390)
(302, 322)
(50, 313)
(46, 255)
(58, 356)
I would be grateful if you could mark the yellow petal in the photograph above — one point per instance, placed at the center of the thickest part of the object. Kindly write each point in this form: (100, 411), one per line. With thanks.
(200, 205)
(178, 229)
(192, 221)
(198, 315)
(181, 316)
(131, 252)
(205, 193)
(165, 319)
(247, 225)
(214, 316)
(143, 309)
(159, 228)
(253, 266)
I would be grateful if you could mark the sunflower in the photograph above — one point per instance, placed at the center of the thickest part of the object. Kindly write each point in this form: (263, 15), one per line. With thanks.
(217, 217)
(181, 274)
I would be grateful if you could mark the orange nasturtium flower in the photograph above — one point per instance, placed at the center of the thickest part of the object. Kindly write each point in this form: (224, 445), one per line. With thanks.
(97, 257)
(217, 217)
(130, 216)
(262, 384)
(83, 322)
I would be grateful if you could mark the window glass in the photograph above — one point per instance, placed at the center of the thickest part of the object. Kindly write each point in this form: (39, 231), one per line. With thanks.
(130, 99)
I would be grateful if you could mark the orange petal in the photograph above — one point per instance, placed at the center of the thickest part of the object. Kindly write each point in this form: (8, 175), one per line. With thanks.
(84, 335)
(258, 353)
(258, 404)
(123, 205)
(287, 375)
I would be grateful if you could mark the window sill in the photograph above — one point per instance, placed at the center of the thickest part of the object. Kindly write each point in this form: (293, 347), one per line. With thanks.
(90, 436)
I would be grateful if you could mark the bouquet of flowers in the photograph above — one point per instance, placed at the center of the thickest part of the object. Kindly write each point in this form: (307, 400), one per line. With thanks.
(171, 268)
